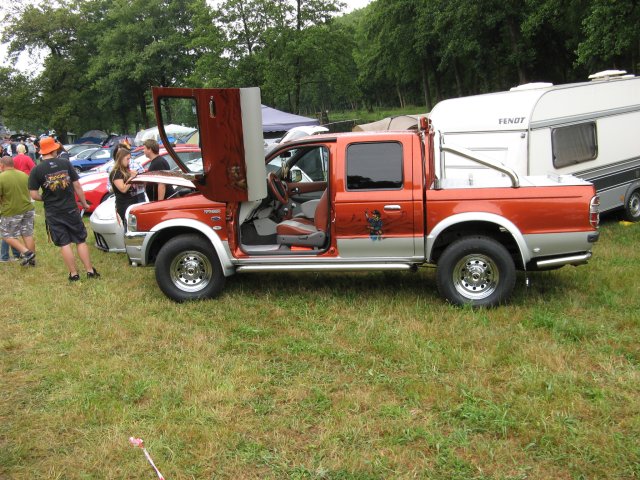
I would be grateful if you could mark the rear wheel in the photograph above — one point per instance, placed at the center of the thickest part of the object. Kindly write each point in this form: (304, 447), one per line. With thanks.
(477, 271)
(632, 207)
(188, 268)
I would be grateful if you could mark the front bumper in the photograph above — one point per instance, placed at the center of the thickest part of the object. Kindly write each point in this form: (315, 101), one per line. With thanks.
(134, 243)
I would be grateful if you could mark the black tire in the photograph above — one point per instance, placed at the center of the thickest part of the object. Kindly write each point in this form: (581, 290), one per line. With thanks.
(188, 268)
(78, 170)
(632, 207)
(476, 271)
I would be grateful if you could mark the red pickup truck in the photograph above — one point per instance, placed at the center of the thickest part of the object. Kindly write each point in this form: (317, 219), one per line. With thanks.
(348, 202)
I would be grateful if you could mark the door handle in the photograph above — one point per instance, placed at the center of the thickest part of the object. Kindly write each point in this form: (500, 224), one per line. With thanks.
(392, 208)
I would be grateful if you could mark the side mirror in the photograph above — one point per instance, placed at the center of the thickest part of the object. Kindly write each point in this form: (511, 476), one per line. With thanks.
(296, 176)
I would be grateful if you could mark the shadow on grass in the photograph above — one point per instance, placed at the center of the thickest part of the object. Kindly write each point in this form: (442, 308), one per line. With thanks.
(350, 285)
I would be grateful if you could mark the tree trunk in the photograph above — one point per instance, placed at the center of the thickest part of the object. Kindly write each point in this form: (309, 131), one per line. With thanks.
(514, 37)
(142, 104)
(298, 73)
(436, 81)
(425, 86)
(456, 72)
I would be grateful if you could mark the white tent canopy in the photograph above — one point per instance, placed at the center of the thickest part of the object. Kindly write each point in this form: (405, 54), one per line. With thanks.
(171, 130)
(400, 122)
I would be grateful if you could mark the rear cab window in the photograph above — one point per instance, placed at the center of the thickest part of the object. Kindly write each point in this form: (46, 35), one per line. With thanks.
(374, 166)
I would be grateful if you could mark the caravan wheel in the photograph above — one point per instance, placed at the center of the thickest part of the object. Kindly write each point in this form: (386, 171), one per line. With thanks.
(632, 207)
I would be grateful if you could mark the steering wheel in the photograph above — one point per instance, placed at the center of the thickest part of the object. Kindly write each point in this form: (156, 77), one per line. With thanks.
(278, 188)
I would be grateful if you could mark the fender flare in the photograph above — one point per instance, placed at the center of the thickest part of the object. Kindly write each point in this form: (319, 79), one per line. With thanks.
(221, 248)
(633, 186)
(467, 217)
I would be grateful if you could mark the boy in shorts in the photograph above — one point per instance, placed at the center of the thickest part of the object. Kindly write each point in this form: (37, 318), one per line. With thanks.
(17, 211)
(58, 181)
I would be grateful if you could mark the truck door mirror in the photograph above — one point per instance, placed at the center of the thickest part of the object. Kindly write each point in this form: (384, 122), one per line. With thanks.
(295, 176)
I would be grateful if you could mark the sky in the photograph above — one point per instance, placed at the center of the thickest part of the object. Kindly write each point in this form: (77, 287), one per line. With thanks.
(30, 65)
(355, 4)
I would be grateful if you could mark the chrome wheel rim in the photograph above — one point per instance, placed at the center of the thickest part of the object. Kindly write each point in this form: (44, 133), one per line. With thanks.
(634, 205)
(476, 276)
(191, 271)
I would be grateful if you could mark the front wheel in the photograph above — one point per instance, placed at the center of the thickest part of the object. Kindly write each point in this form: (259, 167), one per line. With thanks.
(188, 268)
(632, 207)
(477, 271)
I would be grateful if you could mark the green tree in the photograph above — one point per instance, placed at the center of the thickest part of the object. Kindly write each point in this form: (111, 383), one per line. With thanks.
(63, 95)
(144, 43)
(17, 92)
(611, 35)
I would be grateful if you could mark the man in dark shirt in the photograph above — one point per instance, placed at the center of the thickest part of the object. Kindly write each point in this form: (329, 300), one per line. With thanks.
(155, 191)
(59, 180)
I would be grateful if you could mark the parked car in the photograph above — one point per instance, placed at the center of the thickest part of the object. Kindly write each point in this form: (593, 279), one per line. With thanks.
(95, 183)
(84, 153)
(91, 160)
(107, 227)
(293, 134)
(75, 149)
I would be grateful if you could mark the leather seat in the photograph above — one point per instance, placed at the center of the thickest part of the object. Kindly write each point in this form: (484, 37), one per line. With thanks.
(300, 232)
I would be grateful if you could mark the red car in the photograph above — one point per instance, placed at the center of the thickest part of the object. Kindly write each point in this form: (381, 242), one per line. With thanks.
(95, 183)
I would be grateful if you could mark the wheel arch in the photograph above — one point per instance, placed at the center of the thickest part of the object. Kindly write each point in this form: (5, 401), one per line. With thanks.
(633, 187)
(474, 224)
(164, 231)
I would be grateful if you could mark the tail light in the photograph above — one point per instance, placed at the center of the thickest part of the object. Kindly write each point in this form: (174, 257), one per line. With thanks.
(594, 211)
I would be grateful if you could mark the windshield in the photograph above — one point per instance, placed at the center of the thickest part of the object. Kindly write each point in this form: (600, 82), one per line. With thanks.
(86, 153)
(101, 153)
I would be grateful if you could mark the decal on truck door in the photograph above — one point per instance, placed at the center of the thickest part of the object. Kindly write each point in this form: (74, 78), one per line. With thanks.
(375, 224)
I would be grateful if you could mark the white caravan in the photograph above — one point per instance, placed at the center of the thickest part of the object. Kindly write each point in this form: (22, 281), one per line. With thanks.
(589, 129)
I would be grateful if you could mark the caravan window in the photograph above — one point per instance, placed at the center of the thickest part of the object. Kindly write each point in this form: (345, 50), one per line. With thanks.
(574, 144)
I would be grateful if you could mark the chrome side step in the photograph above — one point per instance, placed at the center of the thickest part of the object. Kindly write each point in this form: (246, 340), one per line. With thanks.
(342, 267)
(570, 260)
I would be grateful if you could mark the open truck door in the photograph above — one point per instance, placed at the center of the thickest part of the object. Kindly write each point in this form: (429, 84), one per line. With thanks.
(229, 132)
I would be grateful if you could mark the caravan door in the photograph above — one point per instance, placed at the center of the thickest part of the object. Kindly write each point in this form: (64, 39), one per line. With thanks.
(228, 125)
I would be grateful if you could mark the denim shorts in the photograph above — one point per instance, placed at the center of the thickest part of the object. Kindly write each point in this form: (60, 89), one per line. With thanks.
(18, 225)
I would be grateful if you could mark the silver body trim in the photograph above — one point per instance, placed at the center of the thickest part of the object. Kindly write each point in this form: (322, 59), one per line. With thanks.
(387, 247)
(560, 121)
(477, 217)
(553, 244)
(137, 243)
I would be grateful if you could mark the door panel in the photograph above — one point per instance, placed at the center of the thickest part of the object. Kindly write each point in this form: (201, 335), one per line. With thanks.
(374, 214)
(229, 124)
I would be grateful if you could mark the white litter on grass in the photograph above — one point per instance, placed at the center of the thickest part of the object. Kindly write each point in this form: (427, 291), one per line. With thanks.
(137, 442)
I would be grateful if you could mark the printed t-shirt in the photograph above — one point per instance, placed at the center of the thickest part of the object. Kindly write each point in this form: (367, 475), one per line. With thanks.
(55, 176)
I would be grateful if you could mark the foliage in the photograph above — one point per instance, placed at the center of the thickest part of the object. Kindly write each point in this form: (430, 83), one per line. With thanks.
(333, 375)
(103, 55)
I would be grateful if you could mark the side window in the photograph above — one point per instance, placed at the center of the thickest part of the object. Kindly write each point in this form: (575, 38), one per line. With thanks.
(574, 144)
(374, 166)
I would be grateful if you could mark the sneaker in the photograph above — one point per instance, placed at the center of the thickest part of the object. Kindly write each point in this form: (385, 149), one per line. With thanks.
(32, 262)
(27, 257)
(93, 274)
(74, 278)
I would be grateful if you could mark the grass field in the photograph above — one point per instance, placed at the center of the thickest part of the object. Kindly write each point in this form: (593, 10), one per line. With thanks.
(333, 376)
